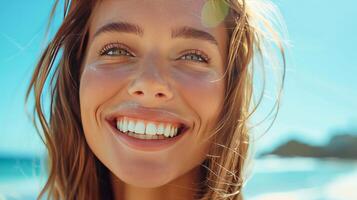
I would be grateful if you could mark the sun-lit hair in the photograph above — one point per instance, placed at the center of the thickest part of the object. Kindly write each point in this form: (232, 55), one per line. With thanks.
(74, 172)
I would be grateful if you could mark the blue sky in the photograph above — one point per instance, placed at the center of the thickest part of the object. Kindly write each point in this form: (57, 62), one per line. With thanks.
(320, 91)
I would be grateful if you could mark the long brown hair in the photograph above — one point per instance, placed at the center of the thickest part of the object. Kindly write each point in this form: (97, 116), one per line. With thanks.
(73, 170)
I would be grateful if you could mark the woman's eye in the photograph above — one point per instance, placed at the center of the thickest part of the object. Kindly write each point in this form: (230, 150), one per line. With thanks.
(195, 57)
(114, 50)
(117, 52)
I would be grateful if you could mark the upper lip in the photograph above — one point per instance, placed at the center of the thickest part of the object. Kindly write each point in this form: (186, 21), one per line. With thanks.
(145, 113)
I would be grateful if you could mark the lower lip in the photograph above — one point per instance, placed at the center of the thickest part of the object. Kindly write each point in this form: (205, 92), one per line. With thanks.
(146, 145)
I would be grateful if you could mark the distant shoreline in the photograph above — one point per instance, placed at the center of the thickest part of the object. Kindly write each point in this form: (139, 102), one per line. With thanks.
(339, 147)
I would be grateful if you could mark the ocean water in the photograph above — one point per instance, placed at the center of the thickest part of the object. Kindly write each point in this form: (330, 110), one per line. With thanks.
(20, 178)
(271, 179)
(302, 179)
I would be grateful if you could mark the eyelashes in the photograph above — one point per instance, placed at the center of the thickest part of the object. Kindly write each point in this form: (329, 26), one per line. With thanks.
(115, 49)
(195, 55)
(118, 49)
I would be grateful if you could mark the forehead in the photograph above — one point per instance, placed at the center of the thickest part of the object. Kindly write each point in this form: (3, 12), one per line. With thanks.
(161, 14)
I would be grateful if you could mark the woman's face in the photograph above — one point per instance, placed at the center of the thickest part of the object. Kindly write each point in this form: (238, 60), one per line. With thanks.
(154, 68)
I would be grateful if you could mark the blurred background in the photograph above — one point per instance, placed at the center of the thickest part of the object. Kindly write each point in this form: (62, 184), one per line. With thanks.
(309, 153)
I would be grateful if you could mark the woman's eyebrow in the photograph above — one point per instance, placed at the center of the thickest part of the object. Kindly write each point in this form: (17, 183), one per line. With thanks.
(180, 32)
(124, 27)
(189, 32)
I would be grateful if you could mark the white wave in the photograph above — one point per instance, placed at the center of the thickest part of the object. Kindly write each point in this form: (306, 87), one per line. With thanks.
(20, 189)
(307, 194)
(275, 164)
(343, 187)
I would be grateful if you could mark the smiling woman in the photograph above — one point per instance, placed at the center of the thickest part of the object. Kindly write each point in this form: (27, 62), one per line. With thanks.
(150, 99)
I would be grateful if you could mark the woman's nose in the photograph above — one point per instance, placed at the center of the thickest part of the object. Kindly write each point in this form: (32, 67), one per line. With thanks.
(150, 85)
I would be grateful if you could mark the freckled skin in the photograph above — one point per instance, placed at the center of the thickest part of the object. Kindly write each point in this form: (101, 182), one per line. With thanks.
(189, 89)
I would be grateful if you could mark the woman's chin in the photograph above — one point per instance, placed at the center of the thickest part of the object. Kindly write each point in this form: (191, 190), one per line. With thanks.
(145, 179)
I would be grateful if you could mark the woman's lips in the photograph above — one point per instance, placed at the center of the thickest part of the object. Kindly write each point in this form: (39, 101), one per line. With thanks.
(156, 115)
(145, 144)
(147, 114)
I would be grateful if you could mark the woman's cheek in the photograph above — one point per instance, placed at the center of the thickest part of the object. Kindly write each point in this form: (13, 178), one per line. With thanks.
(97, 85)
(103, 79)
(203, 90)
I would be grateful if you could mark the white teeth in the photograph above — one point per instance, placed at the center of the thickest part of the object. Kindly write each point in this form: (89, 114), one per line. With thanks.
(167, 131)
(140, 127)
(172, 132)
(125, 125)
(150, 129)
(118, 125)
(160, 129)
(175, 131)
(131, 126)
